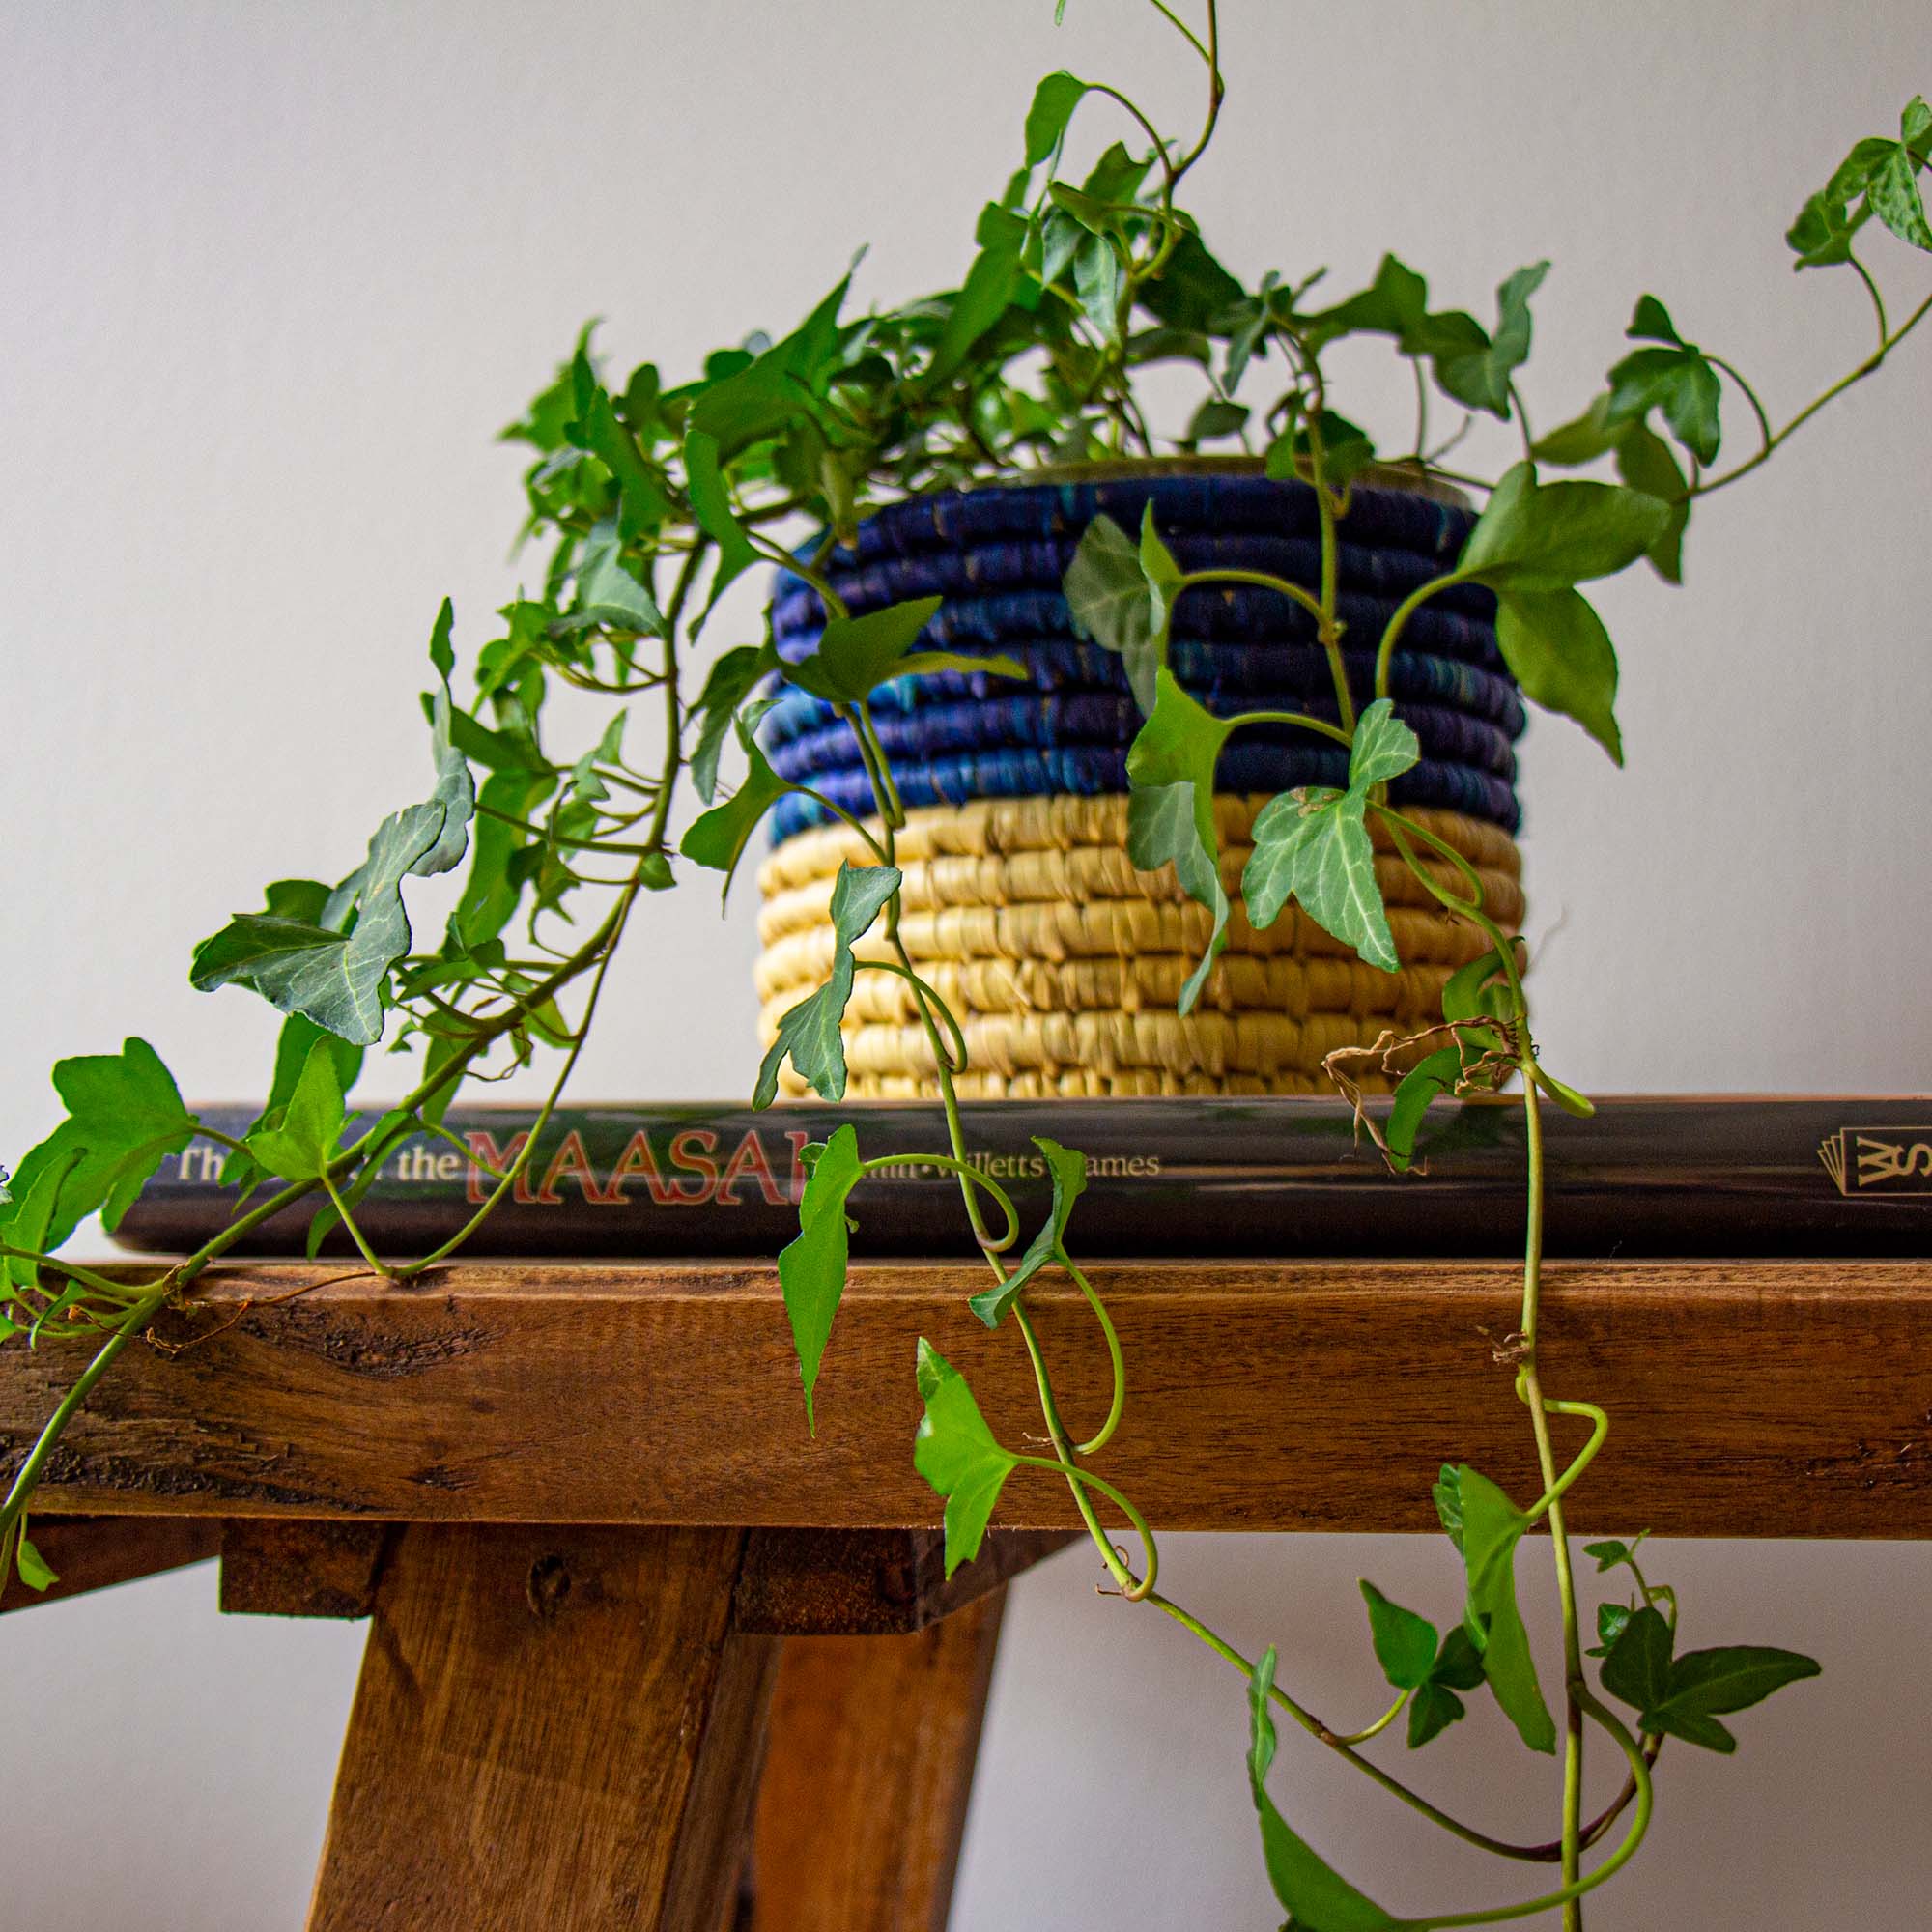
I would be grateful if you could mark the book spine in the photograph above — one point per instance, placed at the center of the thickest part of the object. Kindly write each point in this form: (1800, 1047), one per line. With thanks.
(1224, 1178)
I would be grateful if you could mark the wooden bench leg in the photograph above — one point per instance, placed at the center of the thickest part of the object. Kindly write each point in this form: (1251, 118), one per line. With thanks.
(870, 1765)
(555, 1729)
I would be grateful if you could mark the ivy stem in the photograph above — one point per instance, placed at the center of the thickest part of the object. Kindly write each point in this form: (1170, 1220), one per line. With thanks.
(1574, 1889)
(969, 1176)
(1530, 1387)
(924, 993)
(1319, 1731)
(356, 1234)
(1887, 344)
(1260, 580)
(1398, 622)
(1105, 1435)
(1379, 1725)
(1299, 719)
(28, 1477)
(1134, 1592)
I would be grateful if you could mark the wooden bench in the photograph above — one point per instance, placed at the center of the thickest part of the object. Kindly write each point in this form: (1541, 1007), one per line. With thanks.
(609, 1574)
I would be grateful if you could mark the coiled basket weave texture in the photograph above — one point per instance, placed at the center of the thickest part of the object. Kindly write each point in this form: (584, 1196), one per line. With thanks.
(1063, 963)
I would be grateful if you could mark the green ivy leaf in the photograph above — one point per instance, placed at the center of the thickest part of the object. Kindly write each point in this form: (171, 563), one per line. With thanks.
(1583, 440)
(1705, 1684)
(642, 505)
(1164, 580)
(982, 299)
(587, 787)
(322, 967)
(808, 1034)
(1068, 1170)
(1054, 101)
(1179, 747)
(1558, 651)
(1553, 536)
(35, 1573)
(1117, 176)
(125, 1116)
(1486, 1528)
(811, 1269)
(1164, 828)
(1436, 1706)
(1315, 1895)
(1821, 235)
(1347, 450)
(1479, 374)
(717, 839)
(710, 505)
(298, 1037)
(441, 652)
(856, 655)
(1897, 201)
(608, 594)
(310, 1132)
(1100, 280)
(1109, 594)
(1404, 1643)
(1637, 1669)
(957, 1455)
(1193, 292)
(1395, 303)
(1611, 1621)
(1435, 1073)
(1645, 462)
(1671, 375)
(732, 679)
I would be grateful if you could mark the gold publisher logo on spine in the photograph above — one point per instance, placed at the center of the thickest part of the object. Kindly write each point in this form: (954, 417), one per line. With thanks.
(1879, 1160)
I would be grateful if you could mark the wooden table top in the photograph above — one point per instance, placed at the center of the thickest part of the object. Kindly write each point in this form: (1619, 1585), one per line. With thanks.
(1757, 1399)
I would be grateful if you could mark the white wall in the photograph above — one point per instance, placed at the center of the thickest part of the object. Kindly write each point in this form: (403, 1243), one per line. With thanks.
(273, 276)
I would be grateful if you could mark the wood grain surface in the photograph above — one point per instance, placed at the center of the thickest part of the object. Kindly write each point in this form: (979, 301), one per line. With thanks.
(97, 1552)
(1757, 1399)
(867, 1776)
(555, 1731)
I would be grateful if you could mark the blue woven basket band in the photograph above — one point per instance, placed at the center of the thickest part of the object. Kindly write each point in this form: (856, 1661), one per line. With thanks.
(1227, 615)
(1031, 721)
(952, 519)
(1225, 677)
(1388, 574)
(1092, 769)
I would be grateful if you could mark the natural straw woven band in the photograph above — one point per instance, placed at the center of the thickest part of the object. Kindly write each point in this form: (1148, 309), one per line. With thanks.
(1065, 822)
(1077, 1084)
(1065, 965)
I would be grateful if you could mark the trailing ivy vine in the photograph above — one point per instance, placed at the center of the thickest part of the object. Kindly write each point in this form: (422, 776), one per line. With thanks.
(653, 499)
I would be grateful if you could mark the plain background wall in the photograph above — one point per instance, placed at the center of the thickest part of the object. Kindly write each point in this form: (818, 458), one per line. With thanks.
(273, 276)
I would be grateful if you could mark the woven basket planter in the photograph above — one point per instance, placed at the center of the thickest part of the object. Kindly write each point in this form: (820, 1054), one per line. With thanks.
(1062, 962)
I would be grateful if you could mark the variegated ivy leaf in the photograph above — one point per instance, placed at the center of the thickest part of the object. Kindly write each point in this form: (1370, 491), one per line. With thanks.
(808, 1035)
(1121, 595)
(334, 967)
(1313, 844)
(1171, 808)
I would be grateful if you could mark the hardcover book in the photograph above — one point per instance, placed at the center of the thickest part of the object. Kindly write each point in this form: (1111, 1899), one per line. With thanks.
(1646, 1175)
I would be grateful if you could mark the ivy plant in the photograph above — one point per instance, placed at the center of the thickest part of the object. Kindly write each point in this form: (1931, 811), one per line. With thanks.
(651, 495)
